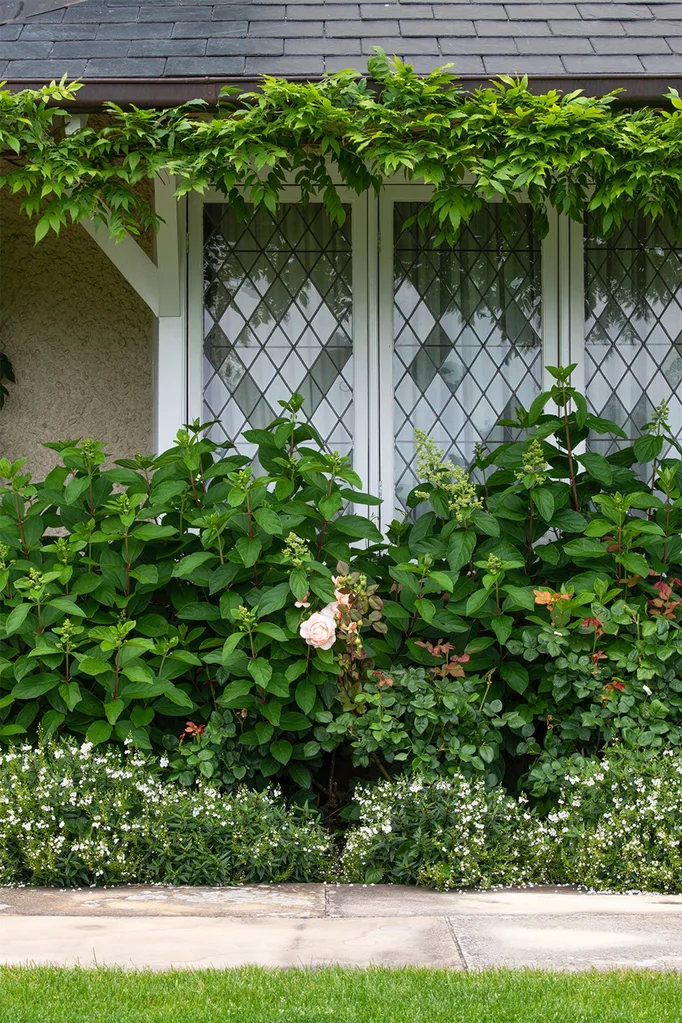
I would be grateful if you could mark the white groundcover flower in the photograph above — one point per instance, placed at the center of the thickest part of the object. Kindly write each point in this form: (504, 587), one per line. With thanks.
(93, 815)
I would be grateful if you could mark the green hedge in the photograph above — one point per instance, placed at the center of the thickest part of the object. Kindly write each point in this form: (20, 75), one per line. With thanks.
(248, 617)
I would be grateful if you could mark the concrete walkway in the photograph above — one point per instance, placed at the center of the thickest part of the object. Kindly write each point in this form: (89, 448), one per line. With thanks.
(316, 925)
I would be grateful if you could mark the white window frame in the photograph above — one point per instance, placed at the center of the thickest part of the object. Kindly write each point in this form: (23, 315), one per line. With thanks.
(560, 316)
(562, 302)
(361, 282)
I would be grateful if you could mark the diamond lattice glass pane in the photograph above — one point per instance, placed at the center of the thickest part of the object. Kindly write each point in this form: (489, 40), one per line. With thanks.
(277, 320)
(467, 346)
(633, 327)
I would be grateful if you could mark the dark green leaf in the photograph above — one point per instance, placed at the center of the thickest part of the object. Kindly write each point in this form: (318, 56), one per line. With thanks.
(248, 548)
(647, 447)
(298, 583)
(460, 548)
(16, 618)
(544, 502)
(584, 547)
(515, 675)
(67, 606)
(268, 520)
(634, 563)
(485, 523)
(305, 695)
(274, 599)
(152, 531)
(597, 467)
(282, 751)
(191, 562)
(292, 721)
(99, 731)
(502, 627)
(260, 670)
(358, 528)
(35, 685)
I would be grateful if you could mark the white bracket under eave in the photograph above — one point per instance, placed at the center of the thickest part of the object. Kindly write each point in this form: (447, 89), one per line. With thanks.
(75, 123)
(141, 273)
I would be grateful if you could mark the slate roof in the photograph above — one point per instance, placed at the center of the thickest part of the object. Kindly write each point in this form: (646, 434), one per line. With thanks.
(156, 39)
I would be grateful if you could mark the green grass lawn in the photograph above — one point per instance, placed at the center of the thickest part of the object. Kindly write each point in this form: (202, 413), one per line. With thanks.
(254, 995)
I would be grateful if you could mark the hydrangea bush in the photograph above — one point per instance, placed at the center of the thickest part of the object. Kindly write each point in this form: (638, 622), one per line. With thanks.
(81, 815)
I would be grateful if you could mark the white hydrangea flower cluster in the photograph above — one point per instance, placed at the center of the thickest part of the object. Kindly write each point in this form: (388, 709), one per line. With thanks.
(78, 815)
(448, 834)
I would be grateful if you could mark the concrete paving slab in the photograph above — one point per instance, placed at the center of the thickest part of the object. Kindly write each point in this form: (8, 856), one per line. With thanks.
(220, 943)
(301, 901)
(577, 942)
(355, 925)
(397, 900)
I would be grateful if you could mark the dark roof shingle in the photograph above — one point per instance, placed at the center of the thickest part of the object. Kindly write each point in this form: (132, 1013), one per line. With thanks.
(41, 39)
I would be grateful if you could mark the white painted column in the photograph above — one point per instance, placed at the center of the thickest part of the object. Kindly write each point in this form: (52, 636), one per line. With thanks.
(170, 375)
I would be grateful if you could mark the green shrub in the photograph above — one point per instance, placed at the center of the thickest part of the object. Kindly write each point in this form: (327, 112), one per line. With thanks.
(443, 834)
(551, 585)
(222, 608)
(146, 600)
(78, 815)
(430, 726)
(617, 824)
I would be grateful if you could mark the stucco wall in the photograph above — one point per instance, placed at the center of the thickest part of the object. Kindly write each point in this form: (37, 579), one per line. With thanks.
(80, 341)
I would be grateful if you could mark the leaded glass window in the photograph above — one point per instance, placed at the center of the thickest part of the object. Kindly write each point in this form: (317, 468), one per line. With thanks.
(467, 339)
(445, 339)
(633, 326)
(278, 320)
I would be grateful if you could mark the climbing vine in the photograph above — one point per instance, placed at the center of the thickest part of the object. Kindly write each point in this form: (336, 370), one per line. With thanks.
(503, 141)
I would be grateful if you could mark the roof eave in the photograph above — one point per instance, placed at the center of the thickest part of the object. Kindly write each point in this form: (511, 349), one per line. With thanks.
(169, 92)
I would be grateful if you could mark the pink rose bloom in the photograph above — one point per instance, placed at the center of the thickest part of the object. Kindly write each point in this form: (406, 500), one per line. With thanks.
(342, 598)
(319, 630)
(332, 610)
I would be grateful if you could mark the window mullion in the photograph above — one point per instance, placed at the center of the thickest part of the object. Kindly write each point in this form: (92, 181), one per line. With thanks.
(385, 341)
(563, 298)
(575, 301)
(551, 263)
(362, 347)
(370, 365)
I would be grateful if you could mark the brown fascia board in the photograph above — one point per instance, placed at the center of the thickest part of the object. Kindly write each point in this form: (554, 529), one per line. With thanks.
(158, 93)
